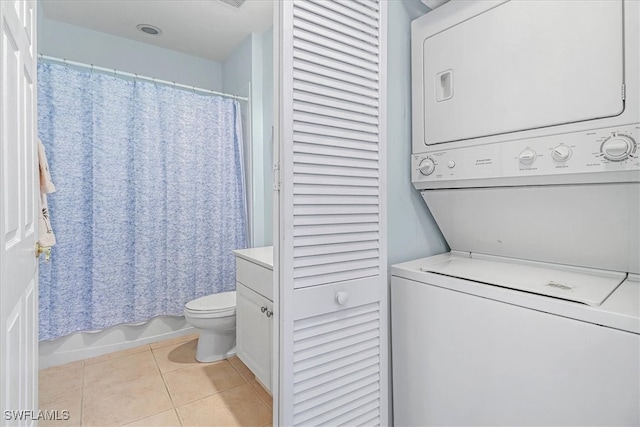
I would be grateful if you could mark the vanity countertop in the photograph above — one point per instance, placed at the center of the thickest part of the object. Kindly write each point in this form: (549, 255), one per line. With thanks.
(261, 256)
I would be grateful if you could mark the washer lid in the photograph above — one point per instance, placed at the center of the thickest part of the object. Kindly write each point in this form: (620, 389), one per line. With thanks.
(577, 284)
(215, 302)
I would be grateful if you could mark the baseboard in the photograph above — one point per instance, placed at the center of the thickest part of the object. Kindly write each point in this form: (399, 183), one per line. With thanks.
(84, 345)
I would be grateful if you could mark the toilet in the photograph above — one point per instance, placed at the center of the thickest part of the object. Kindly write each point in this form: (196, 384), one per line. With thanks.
(214, 316)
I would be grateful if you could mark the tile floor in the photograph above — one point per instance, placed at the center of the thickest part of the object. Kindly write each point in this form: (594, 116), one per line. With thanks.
(155, 385)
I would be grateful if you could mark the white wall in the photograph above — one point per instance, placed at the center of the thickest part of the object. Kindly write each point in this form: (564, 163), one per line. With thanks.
(236, 69)
(251, 64)
(412, 230)
(79, 44)
(267, 124)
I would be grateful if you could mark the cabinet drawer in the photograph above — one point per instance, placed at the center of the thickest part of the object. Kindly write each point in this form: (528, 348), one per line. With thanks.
(255, 277)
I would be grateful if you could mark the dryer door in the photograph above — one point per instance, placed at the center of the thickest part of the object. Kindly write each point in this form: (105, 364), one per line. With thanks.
(523, 65)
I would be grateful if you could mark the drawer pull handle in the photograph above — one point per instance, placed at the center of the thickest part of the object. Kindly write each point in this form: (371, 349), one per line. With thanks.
(263, 309)
(269, 313)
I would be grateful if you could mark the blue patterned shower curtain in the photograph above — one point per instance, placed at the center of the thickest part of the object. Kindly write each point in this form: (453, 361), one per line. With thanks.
(149, 202)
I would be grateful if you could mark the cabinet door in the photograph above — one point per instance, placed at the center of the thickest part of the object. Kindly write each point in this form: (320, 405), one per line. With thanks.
(254, 332)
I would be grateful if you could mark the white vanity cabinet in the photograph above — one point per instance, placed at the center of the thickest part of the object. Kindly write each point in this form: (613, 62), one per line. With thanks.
(254, 311)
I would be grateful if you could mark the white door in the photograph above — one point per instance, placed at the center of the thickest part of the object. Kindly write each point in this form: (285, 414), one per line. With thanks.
(18, 205)
(331, 250)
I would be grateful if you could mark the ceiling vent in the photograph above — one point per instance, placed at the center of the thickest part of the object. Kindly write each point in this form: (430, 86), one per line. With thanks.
(234, 3)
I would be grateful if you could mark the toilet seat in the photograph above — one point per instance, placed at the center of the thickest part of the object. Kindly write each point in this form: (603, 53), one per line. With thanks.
(215, 305)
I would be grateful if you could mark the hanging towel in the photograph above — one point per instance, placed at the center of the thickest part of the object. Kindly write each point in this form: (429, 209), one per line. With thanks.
(46, 237)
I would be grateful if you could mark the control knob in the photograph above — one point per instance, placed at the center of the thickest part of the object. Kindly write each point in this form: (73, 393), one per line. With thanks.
(618, 148)
(561, 153)
(527, 157)
(426, 166)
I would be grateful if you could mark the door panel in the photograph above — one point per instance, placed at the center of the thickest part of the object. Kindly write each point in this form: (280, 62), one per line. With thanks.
(18, 208)
(524, 65)
(254, 334)
(332, 297)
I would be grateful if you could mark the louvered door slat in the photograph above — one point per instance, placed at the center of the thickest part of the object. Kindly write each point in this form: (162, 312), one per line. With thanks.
(334, 277)
(366, 3)
(333, 141)
(354, 362)
(338, 337)
(350, 55)
(308, 168)
(367, 10)
(368, 19)
(339, 104)
(309, 25)
(335, 71)
(334, 219)
(346, 247)
(335, 210)
(334, 260)
(334, 180)
(329, 112)
(350, 162)
(337, 267)
(333, 61)
(330, 92)
(368, 415)
(341, 190)
(313, 391)
(341, 23)
(304, 199)
(333, 239)
(315, 129)
(339, 123)
(326, 39)
(362, 385)
(331, 258)
(318, 329)
(343, 405)
(324, 229)
(322, 80)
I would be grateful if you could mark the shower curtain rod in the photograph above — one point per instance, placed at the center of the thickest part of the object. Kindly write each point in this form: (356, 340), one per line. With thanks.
(139, 77)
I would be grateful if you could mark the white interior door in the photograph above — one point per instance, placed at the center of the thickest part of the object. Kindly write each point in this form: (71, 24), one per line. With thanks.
(331, 251)
(18, 208)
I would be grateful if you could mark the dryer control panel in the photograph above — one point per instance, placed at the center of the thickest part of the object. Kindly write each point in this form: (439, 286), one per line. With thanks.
(604, 155)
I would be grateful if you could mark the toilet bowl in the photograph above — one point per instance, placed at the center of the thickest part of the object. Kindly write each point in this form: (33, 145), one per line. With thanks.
(214, 316)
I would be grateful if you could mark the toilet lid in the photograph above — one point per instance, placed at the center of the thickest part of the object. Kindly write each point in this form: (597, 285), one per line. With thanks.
(214, 302)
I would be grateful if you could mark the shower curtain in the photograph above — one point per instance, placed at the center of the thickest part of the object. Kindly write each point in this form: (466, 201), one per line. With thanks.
(149, 203)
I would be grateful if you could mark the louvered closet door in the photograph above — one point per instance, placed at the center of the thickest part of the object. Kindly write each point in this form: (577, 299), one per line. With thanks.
(332, 246)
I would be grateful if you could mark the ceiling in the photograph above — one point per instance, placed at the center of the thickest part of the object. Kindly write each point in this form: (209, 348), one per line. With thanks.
(209, 29)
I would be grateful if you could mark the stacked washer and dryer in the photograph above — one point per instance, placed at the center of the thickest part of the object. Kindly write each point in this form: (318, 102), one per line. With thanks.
(526, 122)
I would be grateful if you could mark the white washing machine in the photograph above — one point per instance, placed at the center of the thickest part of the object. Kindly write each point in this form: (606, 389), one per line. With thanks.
(480, 340)
(526, 125)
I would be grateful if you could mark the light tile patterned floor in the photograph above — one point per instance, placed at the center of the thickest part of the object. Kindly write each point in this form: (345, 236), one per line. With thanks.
(155, 385)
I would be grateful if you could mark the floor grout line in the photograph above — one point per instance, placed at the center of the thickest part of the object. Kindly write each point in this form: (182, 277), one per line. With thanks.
(212, 394)
(238, 371)
(97, 393)
(175, 410)
(122, 382)
(82, 394)
(166, 387)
